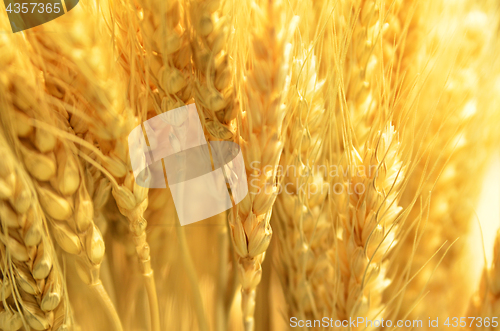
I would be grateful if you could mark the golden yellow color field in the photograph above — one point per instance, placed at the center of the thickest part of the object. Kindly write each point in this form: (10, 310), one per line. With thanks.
(370, 133)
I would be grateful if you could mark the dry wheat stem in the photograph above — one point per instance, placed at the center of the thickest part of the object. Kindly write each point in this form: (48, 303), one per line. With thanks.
(165, 63)
(188, 263)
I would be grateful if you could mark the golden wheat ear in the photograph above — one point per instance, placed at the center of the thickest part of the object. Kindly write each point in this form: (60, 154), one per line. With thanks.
(214, 66)
(29, 262)
(262, 143)
(32, 279)
(300, 214)
(166, 62)
(82, 114)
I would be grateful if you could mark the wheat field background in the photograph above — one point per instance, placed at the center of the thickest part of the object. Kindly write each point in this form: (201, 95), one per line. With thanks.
(370, 135)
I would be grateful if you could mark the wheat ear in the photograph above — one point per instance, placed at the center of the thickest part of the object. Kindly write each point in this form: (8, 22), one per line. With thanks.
(214, 67)
(31, 277)
(63, 195)
(29, 260)
(30, 269)
(301, 216)
(108, 104)
(167, 57)
(261, 140)
(368, 217)
(375, 31)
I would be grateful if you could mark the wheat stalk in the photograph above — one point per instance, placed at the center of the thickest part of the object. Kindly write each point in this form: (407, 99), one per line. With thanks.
(344, 245)
(303, 218)
(211, 24)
